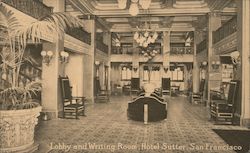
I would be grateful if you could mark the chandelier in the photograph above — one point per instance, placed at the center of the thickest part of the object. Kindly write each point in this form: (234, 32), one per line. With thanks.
(134, 7)
(145, 35)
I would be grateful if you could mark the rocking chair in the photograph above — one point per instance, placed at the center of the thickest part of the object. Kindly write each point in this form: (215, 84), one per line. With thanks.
(72, 106)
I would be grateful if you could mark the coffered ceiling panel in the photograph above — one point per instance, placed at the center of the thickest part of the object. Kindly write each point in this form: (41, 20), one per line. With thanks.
(162, 15)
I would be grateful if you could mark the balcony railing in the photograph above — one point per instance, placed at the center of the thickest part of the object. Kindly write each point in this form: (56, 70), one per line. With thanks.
(201, 46)
(181, 50)
(102, 47)
(225, 30)
(122, 50)
(34, 8)
(80, 34)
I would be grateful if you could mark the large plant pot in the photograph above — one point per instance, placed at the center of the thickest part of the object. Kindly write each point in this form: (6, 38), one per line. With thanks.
(17, 130)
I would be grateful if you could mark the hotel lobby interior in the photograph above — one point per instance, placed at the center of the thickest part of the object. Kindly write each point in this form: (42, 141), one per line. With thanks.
(139, 76)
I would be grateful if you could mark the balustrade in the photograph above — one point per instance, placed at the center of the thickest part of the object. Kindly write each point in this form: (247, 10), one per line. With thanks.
(80, 34)
(181, 50)
(225, 30)
(34, 8)
(122, 50)
(38, 10)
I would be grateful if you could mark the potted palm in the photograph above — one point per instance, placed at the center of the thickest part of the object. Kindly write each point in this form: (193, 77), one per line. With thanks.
(18, 112)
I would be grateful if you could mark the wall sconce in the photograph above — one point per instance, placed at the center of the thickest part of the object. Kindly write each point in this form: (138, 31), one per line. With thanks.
(47, 56)
(215, 64)
(135, 69)
(165, 69)
(64, 57)
(235, 57)
(203, 65)
(97, 63)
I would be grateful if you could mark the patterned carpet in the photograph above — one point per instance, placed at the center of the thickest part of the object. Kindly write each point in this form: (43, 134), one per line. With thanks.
(186, 130)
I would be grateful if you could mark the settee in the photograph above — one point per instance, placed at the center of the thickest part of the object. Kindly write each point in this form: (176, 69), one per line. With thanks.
(157, 108)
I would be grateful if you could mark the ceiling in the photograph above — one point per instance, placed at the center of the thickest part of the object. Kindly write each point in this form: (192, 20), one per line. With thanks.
(177, 16)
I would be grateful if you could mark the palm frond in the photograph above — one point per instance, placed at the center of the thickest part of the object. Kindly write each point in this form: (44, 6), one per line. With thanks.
(53, 25)
(20, 95)
(8, 22)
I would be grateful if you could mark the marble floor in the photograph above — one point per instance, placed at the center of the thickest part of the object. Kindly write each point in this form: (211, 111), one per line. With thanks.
(106, 128)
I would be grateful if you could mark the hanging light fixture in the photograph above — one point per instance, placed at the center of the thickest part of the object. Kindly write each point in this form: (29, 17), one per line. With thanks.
(145, 4)
(133, 9)
(122, 4)
(134, 5)
(145, 35)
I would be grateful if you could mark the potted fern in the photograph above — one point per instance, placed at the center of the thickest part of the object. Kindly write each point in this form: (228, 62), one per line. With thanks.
(18, 111)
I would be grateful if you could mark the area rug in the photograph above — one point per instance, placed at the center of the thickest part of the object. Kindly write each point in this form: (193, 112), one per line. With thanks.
(240, 138)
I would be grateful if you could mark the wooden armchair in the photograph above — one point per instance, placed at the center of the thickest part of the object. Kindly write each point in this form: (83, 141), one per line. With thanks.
(101, 94)
(166, 86)
(72, 106)
(225, 108)
(198, 97)
(135, 85)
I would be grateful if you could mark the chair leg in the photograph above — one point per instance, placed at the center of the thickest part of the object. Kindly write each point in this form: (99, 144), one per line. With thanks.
(76, 113)
(83, 112)
(63, 114)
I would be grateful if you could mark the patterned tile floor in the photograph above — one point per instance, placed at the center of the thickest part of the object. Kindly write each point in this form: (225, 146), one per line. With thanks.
(186, 130)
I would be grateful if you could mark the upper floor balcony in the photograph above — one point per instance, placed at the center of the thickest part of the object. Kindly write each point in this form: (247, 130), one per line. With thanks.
(80, 34)
(225, 30)
(33, 8)
(181, 50)
(101, 46)
(39, 10)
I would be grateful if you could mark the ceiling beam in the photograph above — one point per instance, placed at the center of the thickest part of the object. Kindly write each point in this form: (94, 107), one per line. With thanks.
(158, 29)
(155, 12)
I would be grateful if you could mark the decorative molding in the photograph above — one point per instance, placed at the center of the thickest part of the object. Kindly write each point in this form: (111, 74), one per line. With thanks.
(76, 45)
(193, 4)
(226, 45)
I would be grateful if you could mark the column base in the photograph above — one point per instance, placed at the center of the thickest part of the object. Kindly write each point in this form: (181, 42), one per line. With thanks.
(238, 120)
(50, 114)
(246, 122)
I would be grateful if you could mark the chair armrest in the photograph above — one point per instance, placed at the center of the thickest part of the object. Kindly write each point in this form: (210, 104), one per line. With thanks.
(219, 101)
(79, 99)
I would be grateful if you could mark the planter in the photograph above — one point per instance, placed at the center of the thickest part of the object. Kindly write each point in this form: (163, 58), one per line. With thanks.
(17, 130)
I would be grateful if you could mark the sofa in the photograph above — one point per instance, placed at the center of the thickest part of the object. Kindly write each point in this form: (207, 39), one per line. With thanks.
(157, 108)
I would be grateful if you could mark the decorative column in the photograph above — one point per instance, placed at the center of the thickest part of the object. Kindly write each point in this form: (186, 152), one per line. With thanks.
(51, 94)
(109, 38)
(135, 61)
(166, 54)
(196, 67)
(89, 64)
(243, 69)
(214, 22)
